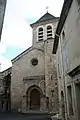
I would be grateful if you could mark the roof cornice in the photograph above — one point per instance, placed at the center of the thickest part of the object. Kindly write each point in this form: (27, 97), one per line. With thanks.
(44, 22)
(25, 52)
(46, 17)
(65, 10)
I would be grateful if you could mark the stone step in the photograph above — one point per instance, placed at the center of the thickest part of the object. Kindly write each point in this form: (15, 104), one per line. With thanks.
(26, 116)
(36, 113)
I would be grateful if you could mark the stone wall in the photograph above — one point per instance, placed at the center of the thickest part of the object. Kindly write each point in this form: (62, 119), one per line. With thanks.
(51, 77)
(68, 59)
(21, 69)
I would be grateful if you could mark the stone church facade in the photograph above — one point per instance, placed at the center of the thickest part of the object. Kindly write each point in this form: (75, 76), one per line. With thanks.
(33, 73)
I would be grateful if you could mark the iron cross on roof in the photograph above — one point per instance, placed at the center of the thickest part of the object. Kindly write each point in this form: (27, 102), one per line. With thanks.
(47, 8)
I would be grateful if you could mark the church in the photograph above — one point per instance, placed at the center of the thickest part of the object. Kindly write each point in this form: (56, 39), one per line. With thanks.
(33, 75)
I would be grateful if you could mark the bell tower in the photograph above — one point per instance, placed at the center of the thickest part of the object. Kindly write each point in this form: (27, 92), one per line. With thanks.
(44, 29)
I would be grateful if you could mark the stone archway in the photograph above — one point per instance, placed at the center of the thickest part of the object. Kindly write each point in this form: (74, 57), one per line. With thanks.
(34, 94)
(35, 100)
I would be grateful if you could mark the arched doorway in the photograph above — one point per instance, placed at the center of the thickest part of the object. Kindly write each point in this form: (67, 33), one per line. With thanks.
(35, 100)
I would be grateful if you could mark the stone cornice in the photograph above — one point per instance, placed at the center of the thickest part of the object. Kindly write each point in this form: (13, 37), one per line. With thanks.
(74, 71)
(45, 22)
(39, 77)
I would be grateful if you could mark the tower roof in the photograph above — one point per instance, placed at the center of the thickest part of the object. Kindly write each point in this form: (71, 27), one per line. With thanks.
(45, 17)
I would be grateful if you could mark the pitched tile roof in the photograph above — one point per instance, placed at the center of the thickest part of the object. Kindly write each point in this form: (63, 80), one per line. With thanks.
(45, 17)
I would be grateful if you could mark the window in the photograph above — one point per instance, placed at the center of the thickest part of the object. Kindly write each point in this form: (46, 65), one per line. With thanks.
(77, 89)
(49, 32)
(63, 35)
(70, 106)
(40, 34)
(78, 2)
(78, 6)
(51, 77)
(34, 61)
(47, 102)
(59, 71)
(63, 104)
(52, 92)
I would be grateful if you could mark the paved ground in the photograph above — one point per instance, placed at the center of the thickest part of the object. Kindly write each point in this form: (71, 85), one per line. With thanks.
(18, 116)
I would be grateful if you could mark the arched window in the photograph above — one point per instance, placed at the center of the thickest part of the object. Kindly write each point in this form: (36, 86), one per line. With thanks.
(40, 34)
(49, 32)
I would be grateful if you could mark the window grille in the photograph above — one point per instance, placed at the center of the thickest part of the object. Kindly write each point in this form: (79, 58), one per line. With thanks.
(40, 34)
(49, 32)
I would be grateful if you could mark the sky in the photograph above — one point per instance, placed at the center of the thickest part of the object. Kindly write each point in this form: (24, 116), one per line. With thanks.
(17, 33)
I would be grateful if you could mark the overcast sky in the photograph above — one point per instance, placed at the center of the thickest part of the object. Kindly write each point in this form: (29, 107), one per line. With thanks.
(17, 34)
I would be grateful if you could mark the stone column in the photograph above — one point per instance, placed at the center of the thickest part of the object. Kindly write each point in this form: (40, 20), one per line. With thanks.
(24, 104)
(42, 103)
(28, 103)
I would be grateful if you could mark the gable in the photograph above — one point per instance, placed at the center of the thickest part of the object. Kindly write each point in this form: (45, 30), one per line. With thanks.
(25, 67)
(25, 52)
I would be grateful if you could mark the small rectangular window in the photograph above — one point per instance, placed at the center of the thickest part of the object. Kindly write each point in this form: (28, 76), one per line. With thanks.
(78, 1)
(52, 92)
(63, 35)
(59, 71)
(70, 106)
